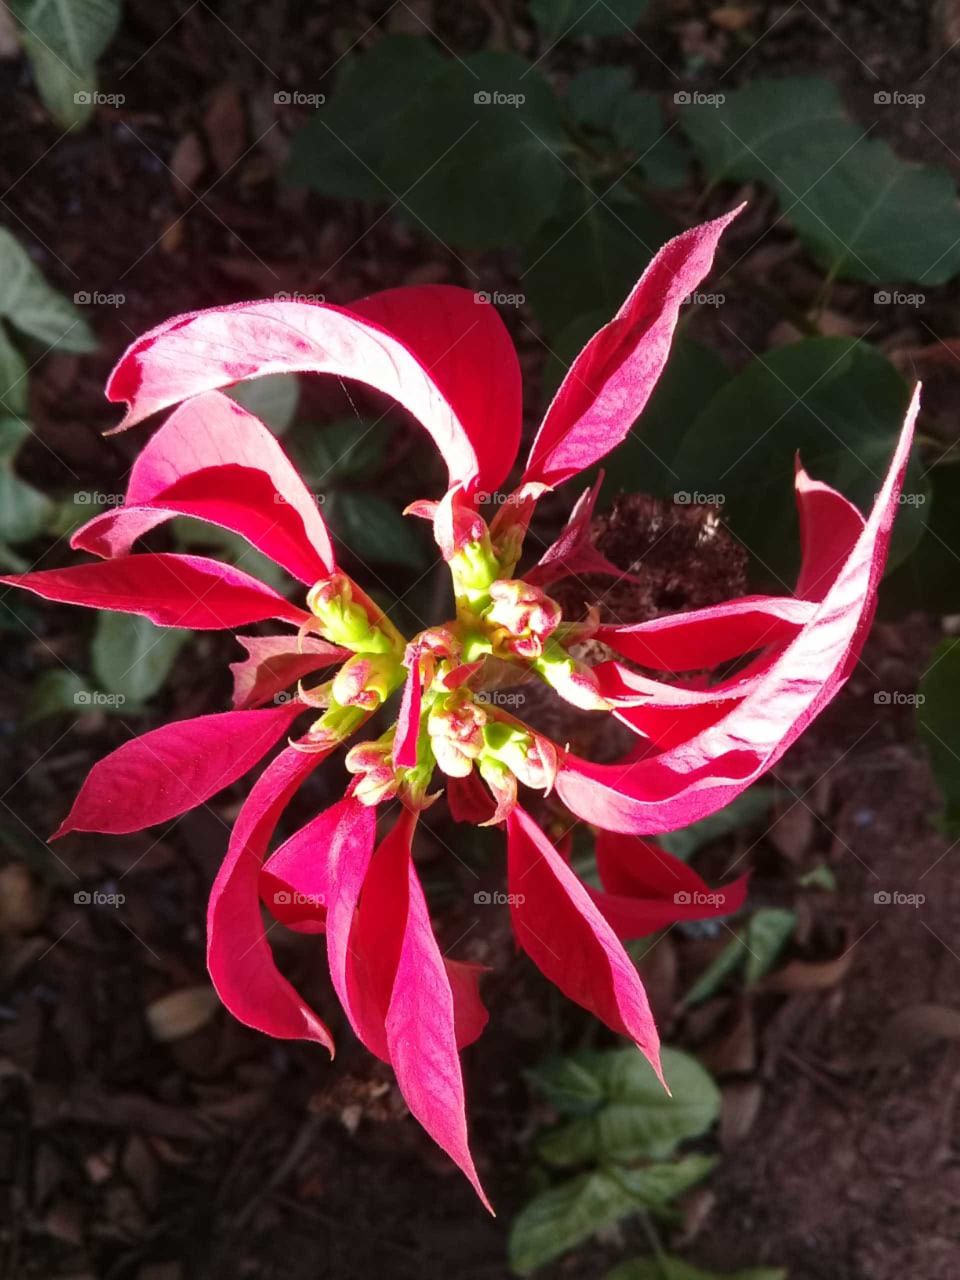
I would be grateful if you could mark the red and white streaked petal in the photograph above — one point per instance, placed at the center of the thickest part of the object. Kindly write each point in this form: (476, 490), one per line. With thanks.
(394, 986)
(449, 364)
(646, 889)
(408, 717)
(567, 937)
(610, 381)
(296, 887)
(172, 769)
(274, 664)
(171, 590)
(573, 553)
(698, 777)
(470, 356)
(215, 461)
(704, 638)
(239, 958)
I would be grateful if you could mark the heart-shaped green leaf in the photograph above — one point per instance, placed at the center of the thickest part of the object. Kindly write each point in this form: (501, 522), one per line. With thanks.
(30, 305)
(132, 657)
(837, 403)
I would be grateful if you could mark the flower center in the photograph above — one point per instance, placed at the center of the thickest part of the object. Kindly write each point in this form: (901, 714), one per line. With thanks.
(500, 620)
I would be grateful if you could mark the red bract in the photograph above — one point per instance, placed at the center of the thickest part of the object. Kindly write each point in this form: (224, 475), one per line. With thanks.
(701, 738)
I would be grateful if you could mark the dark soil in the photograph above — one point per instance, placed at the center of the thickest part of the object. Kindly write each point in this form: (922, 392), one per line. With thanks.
(132, 1153)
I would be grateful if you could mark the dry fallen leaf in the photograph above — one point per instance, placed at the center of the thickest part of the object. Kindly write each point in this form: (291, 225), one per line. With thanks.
(181, 1013)
(225, 125)
(803, 975)
(187, 163)
(739, 1111)
(21, 905)
(914, 1029)
(733, 17)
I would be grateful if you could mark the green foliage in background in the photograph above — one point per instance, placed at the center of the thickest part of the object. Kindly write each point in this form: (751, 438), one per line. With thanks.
(620, 1128)
(63, 40)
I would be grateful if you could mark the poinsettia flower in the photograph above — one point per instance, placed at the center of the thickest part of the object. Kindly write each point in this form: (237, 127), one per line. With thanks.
(703, 734)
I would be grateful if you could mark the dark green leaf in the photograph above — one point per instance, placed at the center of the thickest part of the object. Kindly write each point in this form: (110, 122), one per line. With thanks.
(638, 127)
(836, 402)
(872, 216)
(13, 376)
(272, 398)
(594, 94)
(373, 530)
(590, 254)
(191, 533)
(754, 129)
(564, 19)
(479, 162)
(63, 39)
(564, 1216)
(56, 692)
(747, 809)
(637, 1118)
(32, 307)
(349, 449)
(132, 657)
(656, 1185)
(713, 977)
(342, 150)
(24, 510)
(768, 932)
(939, 716)
(930, 577)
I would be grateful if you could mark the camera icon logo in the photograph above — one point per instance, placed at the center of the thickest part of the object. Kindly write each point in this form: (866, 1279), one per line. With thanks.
(82, 298)
(482, 98)
(282, 98)
(882, 698)
(682, 98)
(82, 898)
(82, 698)
(83, 97)
(281, 698)
(882, 298)
(682, 898)
(281, 898)
(682, 498)
(882, 898)
(482, 898)
(882, 98)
